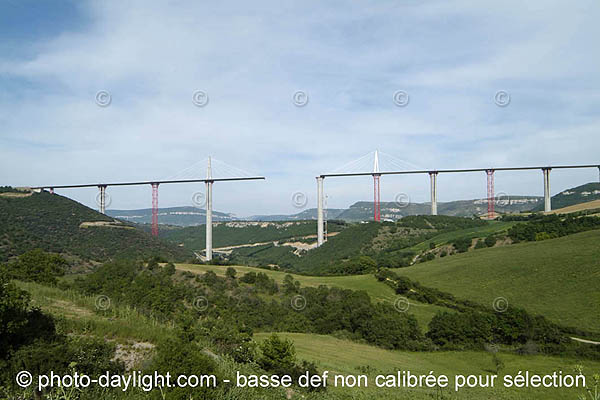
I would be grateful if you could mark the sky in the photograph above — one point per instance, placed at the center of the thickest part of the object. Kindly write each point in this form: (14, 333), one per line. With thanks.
(60, 62)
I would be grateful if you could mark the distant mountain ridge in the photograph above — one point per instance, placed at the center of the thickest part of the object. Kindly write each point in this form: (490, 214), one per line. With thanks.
(180, 216)
(363, 210)
(359, 211)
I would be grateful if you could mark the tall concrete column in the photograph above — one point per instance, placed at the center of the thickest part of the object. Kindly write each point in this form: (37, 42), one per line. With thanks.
(433, 179)
(102, 199)
(320, 227)
(547, 200)
(209, 220)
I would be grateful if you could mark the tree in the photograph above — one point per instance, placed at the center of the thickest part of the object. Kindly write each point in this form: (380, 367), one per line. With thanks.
(38, 266)
(230, 273)
(19, 324)
(278, 355)
(290, 285)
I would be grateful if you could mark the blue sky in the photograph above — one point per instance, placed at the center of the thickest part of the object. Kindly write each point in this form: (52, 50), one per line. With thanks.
(350, 57)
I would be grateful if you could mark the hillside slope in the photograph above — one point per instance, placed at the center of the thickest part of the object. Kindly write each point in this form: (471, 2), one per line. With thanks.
(58, 224)
(325, 351)
(243, 232)
(558, 278)
(576, 195)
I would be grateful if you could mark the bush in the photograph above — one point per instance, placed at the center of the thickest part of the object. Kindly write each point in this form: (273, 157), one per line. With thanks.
(480, 244)
(37, 266)
(181, 357)
(230, 273)
(278, 355)
(460, 330)
(20, 325)
(462, 244)
(490, 241)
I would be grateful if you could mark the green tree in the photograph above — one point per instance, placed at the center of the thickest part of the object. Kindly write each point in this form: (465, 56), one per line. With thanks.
(38, 266)
(290, 285)
(278, 355)
(231, 273)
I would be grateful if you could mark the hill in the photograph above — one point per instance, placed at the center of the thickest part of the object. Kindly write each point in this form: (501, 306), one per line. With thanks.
(593, 206)
(355, 357)
(57, 224)
(580, 194)
(363, 210)
(362, 246)
(359, 211)
(558, 278)
(377, 291)
(235, 233)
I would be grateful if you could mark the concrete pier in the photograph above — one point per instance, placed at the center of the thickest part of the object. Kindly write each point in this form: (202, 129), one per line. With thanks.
(547, 200)
(209, 243)
(102, 199)
(433, 179)
(320, 226)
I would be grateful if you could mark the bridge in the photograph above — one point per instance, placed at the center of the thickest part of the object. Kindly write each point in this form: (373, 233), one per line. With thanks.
(375, 172)
(208, 181)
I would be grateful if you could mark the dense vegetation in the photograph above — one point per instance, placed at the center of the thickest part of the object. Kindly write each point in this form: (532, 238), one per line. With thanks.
(37, 266)
(473, 326)
(556, 278)
(253, 301)
(209, 321)
(359, 248)
(541, 227)
(29, 340)
(220, 311)
(236, 233)
(53, 223)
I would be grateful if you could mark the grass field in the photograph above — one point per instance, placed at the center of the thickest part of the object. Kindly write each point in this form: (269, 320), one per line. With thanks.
(377, 291)
(590, 205)
(345, 357)
(494, 227)
(558, 278)
(79, 314)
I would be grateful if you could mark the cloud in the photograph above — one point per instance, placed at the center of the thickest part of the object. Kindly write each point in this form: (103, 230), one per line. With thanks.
(350, 58)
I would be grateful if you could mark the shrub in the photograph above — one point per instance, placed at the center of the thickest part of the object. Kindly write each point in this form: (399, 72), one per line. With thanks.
(37, 266)
(490, 241)
(462, 244)
(277, 355)
(230, 273)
